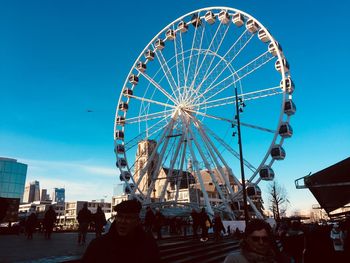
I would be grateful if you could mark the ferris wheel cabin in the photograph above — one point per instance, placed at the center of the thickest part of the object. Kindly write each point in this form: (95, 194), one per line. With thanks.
(254, 191)
(170, 34)
(285, 130)
(141, 66)
(149, 55)
(123, 106)
(159, 44)
(238, 19)
(284, 64)
(127, 189)
(121, 163)
(287, 84)
(119, 148)
(209, 17)
(125, 176)
(182, 26)
(128, 92)
(196, 21)
(119, 135)
(277, 152)
(133, 79)
(266, 173)
(120, 120)
(252, 26)
(289, 107)
(262, 35)
(224, 17)
(273, 50)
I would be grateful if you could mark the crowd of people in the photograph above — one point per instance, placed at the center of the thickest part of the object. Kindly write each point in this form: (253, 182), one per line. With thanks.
(288, 241)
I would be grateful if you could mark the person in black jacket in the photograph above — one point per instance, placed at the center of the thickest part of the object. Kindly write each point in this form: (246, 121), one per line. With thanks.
(205, 223)
(84, 218)
(49, 221)
(126, 240)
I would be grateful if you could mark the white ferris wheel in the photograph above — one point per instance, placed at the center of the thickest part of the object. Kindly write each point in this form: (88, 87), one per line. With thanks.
(176, 117)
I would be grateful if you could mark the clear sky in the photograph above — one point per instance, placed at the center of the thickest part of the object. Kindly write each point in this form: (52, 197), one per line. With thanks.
(59, 59)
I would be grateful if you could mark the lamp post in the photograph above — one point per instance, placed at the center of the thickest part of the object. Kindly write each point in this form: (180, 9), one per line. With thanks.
(246, 216)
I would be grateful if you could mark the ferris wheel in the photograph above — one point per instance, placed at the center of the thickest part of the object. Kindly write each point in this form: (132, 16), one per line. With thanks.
(176, 118)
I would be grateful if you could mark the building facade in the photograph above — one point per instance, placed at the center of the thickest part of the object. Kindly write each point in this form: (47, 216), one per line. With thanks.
(31, 192)
(12, 178)
(58, 195)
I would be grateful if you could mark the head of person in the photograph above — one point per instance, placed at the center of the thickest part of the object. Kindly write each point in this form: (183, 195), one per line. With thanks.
(258, 237)
(128, 217)
(85, 205)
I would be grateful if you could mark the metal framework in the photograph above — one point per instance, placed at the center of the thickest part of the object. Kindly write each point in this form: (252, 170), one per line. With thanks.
(176, 110)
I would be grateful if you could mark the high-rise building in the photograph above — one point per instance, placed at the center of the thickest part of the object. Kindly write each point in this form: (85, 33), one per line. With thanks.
(12, 178)
(32, 192)
(58, 195)
(44, 195)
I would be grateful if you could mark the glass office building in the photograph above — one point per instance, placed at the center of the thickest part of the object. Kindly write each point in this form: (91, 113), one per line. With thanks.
(12, 178)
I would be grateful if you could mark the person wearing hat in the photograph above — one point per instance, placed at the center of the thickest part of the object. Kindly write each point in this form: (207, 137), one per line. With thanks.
(126, 240)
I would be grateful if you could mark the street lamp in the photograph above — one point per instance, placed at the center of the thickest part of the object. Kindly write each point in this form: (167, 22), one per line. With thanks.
(238, 110)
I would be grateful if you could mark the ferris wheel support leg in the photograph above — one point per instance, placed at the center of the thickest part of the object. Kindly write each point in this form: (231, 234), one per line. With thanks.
(252, 205)
(180, 175)
(207, 165)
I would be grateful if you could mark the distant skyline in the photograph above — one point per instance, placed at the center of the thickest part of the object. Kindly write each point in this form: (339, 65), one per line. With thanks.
(63, 64)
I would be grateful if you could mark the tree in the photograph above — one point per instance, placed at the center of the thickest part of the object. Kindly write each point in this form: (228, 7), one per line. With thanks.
(278, 198)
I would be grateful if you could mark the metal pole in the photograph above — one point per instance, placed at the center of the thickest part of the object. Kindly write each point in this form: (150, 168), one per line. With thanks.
(246, 216)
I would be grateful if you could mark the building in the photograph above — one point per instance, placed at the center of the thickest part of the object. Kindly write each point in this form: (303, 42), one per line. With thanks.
(12, 178)
(31, 192)
(72, 209)
(44, 195)
(58, 195)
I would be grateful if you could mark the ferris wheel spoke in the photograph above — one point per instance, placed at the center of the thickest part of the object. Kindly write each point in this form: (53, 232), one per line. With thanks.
(143, 99)
(192, 49)
(199, 177)
(229, 148)
(156, 85)
(245, 96)
(244, 71)
(213, 57)
(167, 133)
(144, 170)
(239, 44)
(177, 61)
(149, 131)
(148, 117)
(209, 168)
(167, 72)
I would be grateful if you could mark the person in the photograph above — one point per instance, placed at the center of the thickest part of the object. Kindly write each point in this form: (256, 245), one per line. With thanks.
(337, 236)
(218, 226)
(258, 245)
(84, 219)
(158, 222)
(49, 221)
(31, 223)
(149, 219)
(293, 241)
(99, 220)
(205, 224)
(126, 240)
(195, 222)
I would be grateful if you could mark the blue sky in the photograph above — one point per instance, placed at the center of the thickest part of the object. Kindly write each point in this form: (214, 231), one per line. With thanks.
(60, 58)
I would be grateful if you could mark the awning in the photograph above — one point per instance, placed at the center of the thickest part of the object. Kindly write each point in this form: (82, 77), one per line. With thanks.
(330, 186)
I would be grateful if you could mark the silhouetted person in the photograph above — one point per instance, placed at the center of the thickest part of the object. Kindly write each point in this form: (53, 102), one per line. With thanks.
(293, 242)
(31, 224)
(126, 240)
(84, 218)
(258, 245)
(195, 222)
(205, 224)
(228, 231)
(49, 221)
(149, 219)
(218, 227)
(337, 236)
(158, 222)
(100, 221)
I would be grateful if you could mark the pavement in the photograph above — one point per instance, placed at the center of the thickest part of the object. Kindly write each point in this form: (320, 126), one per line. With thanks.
(61, 247)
